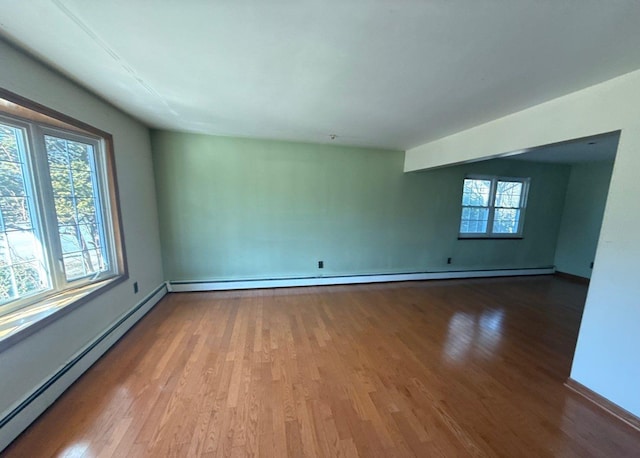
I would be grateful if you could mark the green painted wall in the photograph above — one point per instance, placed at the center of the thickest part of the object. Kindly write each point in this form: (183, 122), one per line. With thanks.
(582, 218)
(239, 209)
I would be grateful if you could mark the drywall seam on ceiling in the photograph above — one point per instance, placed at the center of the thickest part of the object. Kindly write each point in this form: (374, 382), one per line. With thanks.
(111, 52)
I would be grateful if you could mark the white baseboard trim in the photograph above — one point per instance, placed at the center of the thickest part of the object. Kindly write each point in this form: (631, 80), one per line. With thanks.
(17, 419)
(192, 286)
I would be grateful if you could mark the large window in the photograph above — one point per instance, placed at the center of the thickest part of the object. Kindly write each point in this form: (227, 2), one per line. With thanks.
(493, 206)
(58, 220)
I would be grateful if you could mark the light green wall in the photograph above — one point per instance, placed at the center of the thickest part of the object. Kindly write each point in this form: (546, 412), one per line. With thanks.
(239, 208)
(582, 217)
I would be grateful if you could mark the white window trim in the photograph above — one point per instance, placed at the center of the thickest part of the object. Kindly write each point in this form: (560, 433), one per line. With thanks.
(29, 313)
(526, 181)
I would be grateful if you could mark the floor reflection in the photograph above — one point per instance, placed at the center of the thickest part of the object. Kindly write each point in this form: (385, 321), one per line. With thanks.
(77, 450)
(470, 335)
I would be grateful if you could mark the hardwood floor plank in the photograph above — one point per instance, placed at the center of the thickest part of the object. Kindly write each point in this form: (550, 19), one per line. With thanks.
(440, 368)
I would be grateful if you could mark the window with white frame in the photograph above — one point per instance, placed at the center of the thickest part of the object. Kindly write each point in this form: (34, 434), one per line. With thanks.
(493, 206)
(58, 222)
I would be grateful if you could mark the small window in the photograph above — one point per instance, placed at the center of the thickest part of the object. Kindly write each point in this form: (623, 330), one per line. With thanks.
(59, 227)
(493, 206)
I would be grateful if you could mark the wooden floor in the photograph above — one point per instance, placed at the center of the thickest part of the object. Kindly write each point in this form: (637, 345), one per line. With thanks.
(441, 368)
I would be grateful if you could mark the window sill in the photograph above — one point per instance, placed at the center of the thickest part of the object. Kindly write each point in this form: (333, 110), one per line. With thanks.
(16, 325)
(519, 237)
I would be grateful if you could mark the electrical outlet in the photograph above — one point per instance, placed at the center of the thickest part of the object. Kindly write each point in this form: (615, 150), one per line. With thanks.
(320, 264)
(135, 287)
(448, 260)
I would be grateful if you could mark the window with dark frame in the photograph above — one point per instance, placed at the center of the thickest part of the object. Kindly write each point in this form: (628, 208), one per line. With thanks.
(493, 207)
(59, 224)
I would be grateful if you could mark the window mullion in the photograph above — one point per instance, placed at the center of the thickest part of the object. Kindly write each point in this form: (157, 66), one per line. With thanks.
(49, 218)
(492, 205)
(102, 204)
(523, 203)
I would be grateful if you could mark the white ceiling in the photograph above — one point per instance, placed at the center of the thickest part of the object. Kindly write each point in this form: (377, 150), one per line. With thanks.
(590, 149)
(375, 73)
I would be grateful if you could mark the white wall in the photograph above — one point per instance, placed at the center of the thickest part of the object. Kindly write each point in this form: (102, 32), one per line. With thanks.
(606, 358)
(29, 362)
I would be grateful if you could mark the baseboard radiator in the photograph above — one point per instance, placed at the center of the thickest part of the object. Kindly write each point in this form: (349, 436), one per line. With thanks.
(17, 419)
(220, 285)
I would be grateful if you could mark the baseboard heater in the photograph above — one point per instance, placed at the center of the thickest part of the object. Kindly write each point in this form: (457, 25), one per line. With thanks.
(13, 422)
(221, 285)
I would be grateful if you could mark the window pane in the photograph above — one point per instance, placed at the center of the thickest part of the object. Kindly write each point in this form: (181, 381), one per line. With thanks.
(61, 181)
(90, 234)
(97, 261)
(80, 155)
(69, 239)
(76, 210)
(474, 220)
(56, 152)
(83, 183)
(83, 264)
(73, 266)
(79, 237)
(7, 284)
(9, 144)
(22, 261)
(74, 182)
(476, 192)
(506, 221)
(23, 246)
(16, 213)
(65, 210)
(508, 194)
(12, 179)
(29, 277)
(5, 255)
(86, 210)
